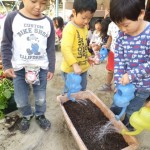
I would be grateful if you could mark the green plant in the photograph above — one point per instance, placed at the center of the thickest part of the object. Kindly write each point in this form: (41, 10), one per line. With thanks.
(6, 91)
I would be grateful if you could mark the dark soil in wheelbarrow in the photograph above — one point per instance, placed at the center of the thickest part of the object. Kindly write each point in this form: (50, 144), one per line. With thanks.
(87, 120)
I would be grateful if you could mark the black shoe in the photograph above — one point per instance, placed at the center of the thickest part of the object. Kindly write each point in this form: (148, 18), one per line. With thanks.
(24, 124)
(43, 122)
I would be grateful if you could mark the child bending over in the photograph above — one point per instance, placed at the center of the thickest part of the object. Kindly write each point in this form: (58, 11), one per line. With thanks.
(132, 52)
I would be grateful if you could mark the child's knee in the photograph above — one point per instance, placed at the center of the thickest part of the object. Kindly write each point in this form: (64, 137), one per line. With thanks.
(40, 102)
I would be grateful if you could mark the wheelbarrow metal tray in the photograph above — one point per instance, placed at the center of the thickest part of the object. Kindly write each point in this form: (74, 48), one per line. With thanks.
(130, 140)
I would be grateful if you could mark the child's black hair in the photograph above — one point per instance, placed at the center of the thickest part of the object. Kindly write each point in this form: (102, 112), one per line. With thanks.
(85, 5)
(104, 27)
(125, 9)
(147, 12)
(98, 21)
(21, 5)
(60, 22)
(71, 16)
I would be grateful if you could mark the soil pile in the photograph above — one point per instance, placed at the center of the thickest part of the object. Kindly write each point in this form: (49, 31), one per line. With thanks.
(88, 127)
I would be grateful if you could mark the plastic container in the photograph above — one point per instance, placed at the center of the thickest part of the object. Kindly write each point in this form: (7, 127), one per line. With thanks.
(103, 53)
(132, 141)
(123, 96)
(140, 120)
(73, 84)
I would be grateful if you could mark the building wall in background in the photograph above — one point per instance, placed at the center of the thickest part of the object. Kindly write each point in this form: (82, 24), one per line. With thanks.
(102, 5)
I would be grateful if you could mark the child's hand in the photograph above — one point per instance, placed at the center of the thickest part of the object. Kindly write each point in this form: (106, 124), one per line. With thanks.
(105, 46)
(115, 90)
(91, 61)
(106, 13)
(93, 44)
(50, 75)
(10, 73)
(77, 69)
(96, 47)
(125, 79)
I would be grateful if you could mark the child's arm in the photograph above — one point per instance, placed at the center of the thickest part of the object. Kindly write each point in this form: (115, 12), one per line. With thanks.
(106, 13)
(141, 71)
(67, 44)
(51, 49)
(6, 44)
(92, 41)
(120, 66)
(108, 42)
(77, 69)
(51, 53)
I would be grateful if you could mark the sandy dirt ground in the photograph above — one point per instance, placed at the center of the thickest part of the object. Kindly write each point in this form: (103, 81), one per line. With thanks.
(59, 136)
